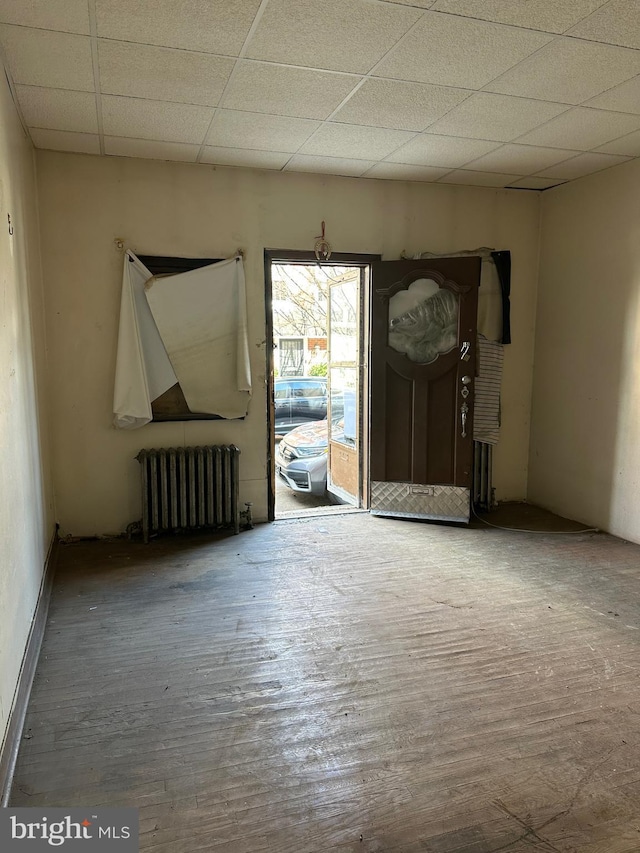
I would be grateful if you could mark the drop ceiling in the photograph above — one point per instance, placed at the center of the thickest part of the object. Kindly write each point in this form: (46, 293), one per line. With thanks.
(497, 93)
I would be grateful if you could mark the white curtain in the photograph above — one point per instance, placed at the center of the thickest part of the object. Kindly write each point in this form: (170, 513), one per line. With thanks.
(202, 319)
(143, 369)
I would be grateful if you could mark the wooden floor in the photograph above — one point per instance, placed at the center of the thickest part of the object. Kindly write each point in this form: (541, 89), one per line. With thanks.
(348, 683)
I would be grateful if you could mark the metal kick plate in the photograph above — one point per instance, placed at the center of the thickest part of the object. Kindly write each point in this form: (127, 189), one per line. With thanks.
(412, 500)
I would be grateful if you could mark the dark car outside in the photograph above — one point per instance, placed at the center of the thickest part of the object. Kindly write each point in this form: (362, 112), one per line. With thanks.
(301, 400)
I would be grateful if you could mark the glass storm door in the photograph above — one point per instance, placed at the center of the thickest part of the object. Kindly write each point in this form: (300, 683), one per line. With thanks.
(344, 412)
(423, 355)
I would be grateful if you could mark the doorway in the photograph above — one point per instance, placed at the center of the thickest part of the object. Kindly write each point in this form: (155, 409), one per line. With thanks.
(317, 335)
(398, 434)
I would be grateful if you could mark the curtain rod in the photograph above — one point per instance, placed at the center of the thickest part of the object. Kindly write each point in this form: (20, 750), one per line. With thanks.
(121, 246)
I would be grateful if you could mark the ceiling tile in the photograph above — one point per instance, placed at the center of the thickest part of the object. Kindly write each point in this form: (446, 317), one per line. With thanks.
(233, 129)
(520, 159)
(69, 16)
(615, 23)
(262, 87)
(582, 129)
(569, 71)
(139, 119)
(144, 71)
(398, 105)
(333, 34)
(628, 145)
(44, 58)
(58, 109)
(170, 84)
(583, 164)
(478, 179)
(244, 157)
(212, 27)
(328, 165)
(431, 150)
(62, 140)
(625, 98)
(402, 172)
(150, 149)
(500, 117)
(458, 52)
(354, 141)
(535, 183)
(549, 15)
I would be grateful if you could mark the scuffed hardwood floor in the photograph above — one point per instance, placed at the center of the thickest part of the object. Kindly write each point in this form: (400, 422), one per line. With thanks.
(349, 684)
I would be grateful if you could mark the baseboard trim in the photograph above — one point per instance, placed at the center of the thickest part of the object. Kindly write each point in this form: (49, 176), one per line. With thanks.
(11, 745)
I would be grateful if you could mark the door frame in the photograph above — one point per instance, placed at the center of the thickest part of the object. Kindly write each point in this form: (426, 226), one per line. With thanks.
(293, 256)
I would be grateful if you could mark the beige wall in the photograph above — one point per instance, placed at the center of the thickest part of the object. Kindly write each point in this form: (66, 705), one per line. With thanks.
(585, 438)
(180, 209)
(26, 511)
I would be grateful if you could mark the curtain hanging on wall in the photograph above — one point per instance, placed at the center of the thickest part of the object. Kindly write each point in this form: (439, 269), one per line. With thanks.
(486, 411)
(202, 319)
(494, 308)
(143, 369)
(502, 261)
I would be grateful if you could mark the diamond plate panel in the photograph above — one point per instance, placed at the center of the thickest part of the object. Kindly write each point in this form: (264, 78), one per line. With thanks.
(410, 500)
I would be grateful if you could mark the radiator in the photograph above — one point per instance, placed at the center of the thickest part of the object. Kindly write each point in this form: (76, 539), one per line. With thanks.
(482, 484)
(190, 487)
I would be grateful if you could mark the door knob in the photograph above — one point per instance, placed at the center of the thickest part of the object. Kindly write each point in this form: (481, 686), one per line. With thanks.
(466, 380)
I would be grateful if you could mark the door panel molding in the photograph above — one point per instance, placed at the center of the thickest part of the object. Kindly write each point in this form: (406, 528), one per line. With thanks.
(423, 272)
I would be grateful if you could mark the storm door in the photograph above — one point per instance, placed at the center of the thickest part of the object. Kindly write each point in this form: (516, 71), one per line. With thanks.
(423, 356)
(344, 344)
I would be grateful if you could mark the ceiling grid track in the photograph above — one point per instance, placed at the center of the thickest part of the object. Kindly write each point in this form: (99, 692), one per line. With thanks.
(96, 71)
(357, 87)
(241, 55)
(401, 96)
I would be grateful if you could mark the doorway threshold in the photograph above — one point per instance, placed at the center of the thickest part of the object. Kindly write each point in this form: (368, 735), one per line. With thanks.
(318, 511)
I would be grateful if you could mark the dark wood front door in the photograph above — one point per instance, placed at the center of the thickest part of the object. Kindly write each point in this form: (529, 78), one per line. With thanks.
(423, 355)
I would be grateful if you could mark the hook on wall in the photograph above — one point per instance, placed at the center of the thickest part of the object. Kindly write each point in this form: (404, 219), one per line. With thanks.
(10, 225)
(322, 248)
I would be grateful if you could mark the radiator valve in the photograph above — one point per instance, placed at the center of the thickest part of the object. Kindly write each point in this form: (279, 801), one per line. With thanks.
(134, 529)
(246, 515)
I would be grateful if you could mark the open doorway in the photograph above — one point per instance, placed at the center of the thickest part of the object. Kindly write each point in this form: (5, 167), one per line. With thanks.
(405, 369)
(317, 323)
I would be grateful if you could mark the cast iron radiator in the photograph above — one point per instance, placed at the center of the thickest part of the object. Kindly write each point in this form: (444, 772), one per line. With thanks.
(482, 485)
(190, 487)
